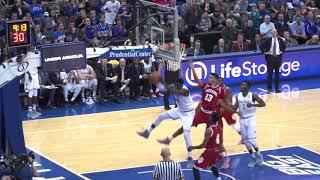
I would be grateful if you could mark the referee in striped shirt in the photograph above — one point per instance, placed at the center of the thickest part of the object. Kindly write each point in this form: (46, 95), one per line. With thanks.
(167, 169)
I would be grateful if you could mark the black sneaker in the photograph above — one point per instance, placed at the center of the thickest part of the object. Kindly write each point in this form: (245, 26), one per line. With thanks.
(144, 134)
(167, 108)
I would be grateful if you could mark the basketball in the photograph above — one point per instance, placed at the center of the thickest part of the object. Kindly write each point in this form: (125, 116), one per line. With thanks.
(155, 77)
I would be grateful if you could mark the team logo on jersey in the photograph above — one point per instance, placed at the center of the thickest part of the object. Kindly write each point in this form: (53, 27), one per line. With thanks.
(202, 73)
(293, 165)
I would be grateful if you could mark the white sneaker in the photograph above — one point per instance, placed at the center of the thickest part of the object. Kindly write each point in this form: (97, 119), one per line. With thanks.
(190, 162)
(218, 178)
(89, 101)
(30, 114)
(66, 100)
(72, 99)
(260, 160)
(37, 113)
(252, 162)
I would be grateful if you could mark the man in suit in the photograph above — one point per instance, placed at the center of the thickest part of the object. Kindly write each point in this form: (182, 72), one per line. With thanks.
(136, 72)
(255, 44)
(240, 45)
(273, 48)
(196, 50)
(220, 48)
(122, 72)
(107, 79)
(54, 80)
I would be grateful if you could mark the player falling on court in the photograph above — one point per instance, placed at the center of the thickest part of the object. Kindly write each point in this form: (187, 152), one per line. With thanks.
(212, 100)
(225, 114)
(247, 102)
(212, 142)
(184, 111)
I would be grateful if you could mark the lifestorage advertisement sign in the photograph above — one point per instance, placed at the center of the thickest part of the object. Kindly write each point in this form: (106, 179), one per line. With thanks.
(253, 68)
(64, 57)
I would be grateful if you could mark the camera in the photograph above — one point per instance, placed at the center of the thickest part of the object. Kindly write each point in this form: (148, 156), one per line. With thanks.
(14, 165)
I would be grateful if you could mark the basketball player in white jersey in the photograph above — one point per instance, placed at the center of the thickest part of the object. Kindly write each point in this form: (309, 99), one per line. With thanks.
(31, 86)
(147, 69)
(247, 102)
(88, 80)
(184, 111)
(71, 84)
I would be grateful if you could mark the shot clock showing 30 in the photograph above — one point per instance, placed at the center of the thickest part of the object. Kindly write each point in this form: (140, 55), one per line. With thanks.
(18, 33)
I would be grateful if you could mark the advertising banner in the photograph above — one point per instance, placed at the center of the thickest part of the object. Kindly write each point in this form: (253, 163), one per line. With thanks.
(127, 53)
(64, 57)
(253, 68)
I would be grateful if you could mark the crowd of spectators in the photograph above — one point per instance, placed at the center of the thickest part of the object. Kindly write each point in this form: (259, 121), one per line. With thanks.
(241, 26)
(65, 21)
(93, 22)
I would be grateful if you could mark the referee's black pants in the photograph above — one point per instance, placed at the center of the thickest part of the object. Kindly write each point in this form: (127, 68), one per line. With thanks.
(273, 64)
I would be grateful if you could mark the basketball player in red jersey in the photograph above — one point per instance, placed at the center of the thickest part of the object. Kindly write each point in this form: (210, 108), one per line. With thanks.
(212, 99)
(227, 115)
(212, 141)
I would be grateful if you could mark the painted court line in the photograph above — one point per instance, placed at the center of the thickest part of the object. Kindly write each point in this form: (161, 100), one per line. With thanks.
(264, 90)
(234, 154)
(309, 149)
(58, 163)
(160, 106)
(317, 165)
(126, 124)
(204, 170)
(43, 170)
(122, 111)
(56, 178)
(84, 127)
(295, 127)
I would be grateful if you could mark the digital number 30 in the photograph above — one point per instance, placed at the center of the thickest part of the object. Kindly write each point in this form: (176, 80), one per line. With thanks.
(18, 37)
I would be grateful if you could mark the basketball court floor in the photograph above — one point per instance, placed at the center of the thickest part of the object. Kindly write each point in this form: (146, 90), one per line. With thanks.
(100, 141)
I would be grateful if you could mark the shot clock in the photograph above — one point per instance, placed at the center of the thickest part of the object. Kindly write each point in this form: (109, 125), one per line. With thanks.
(18, 33)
